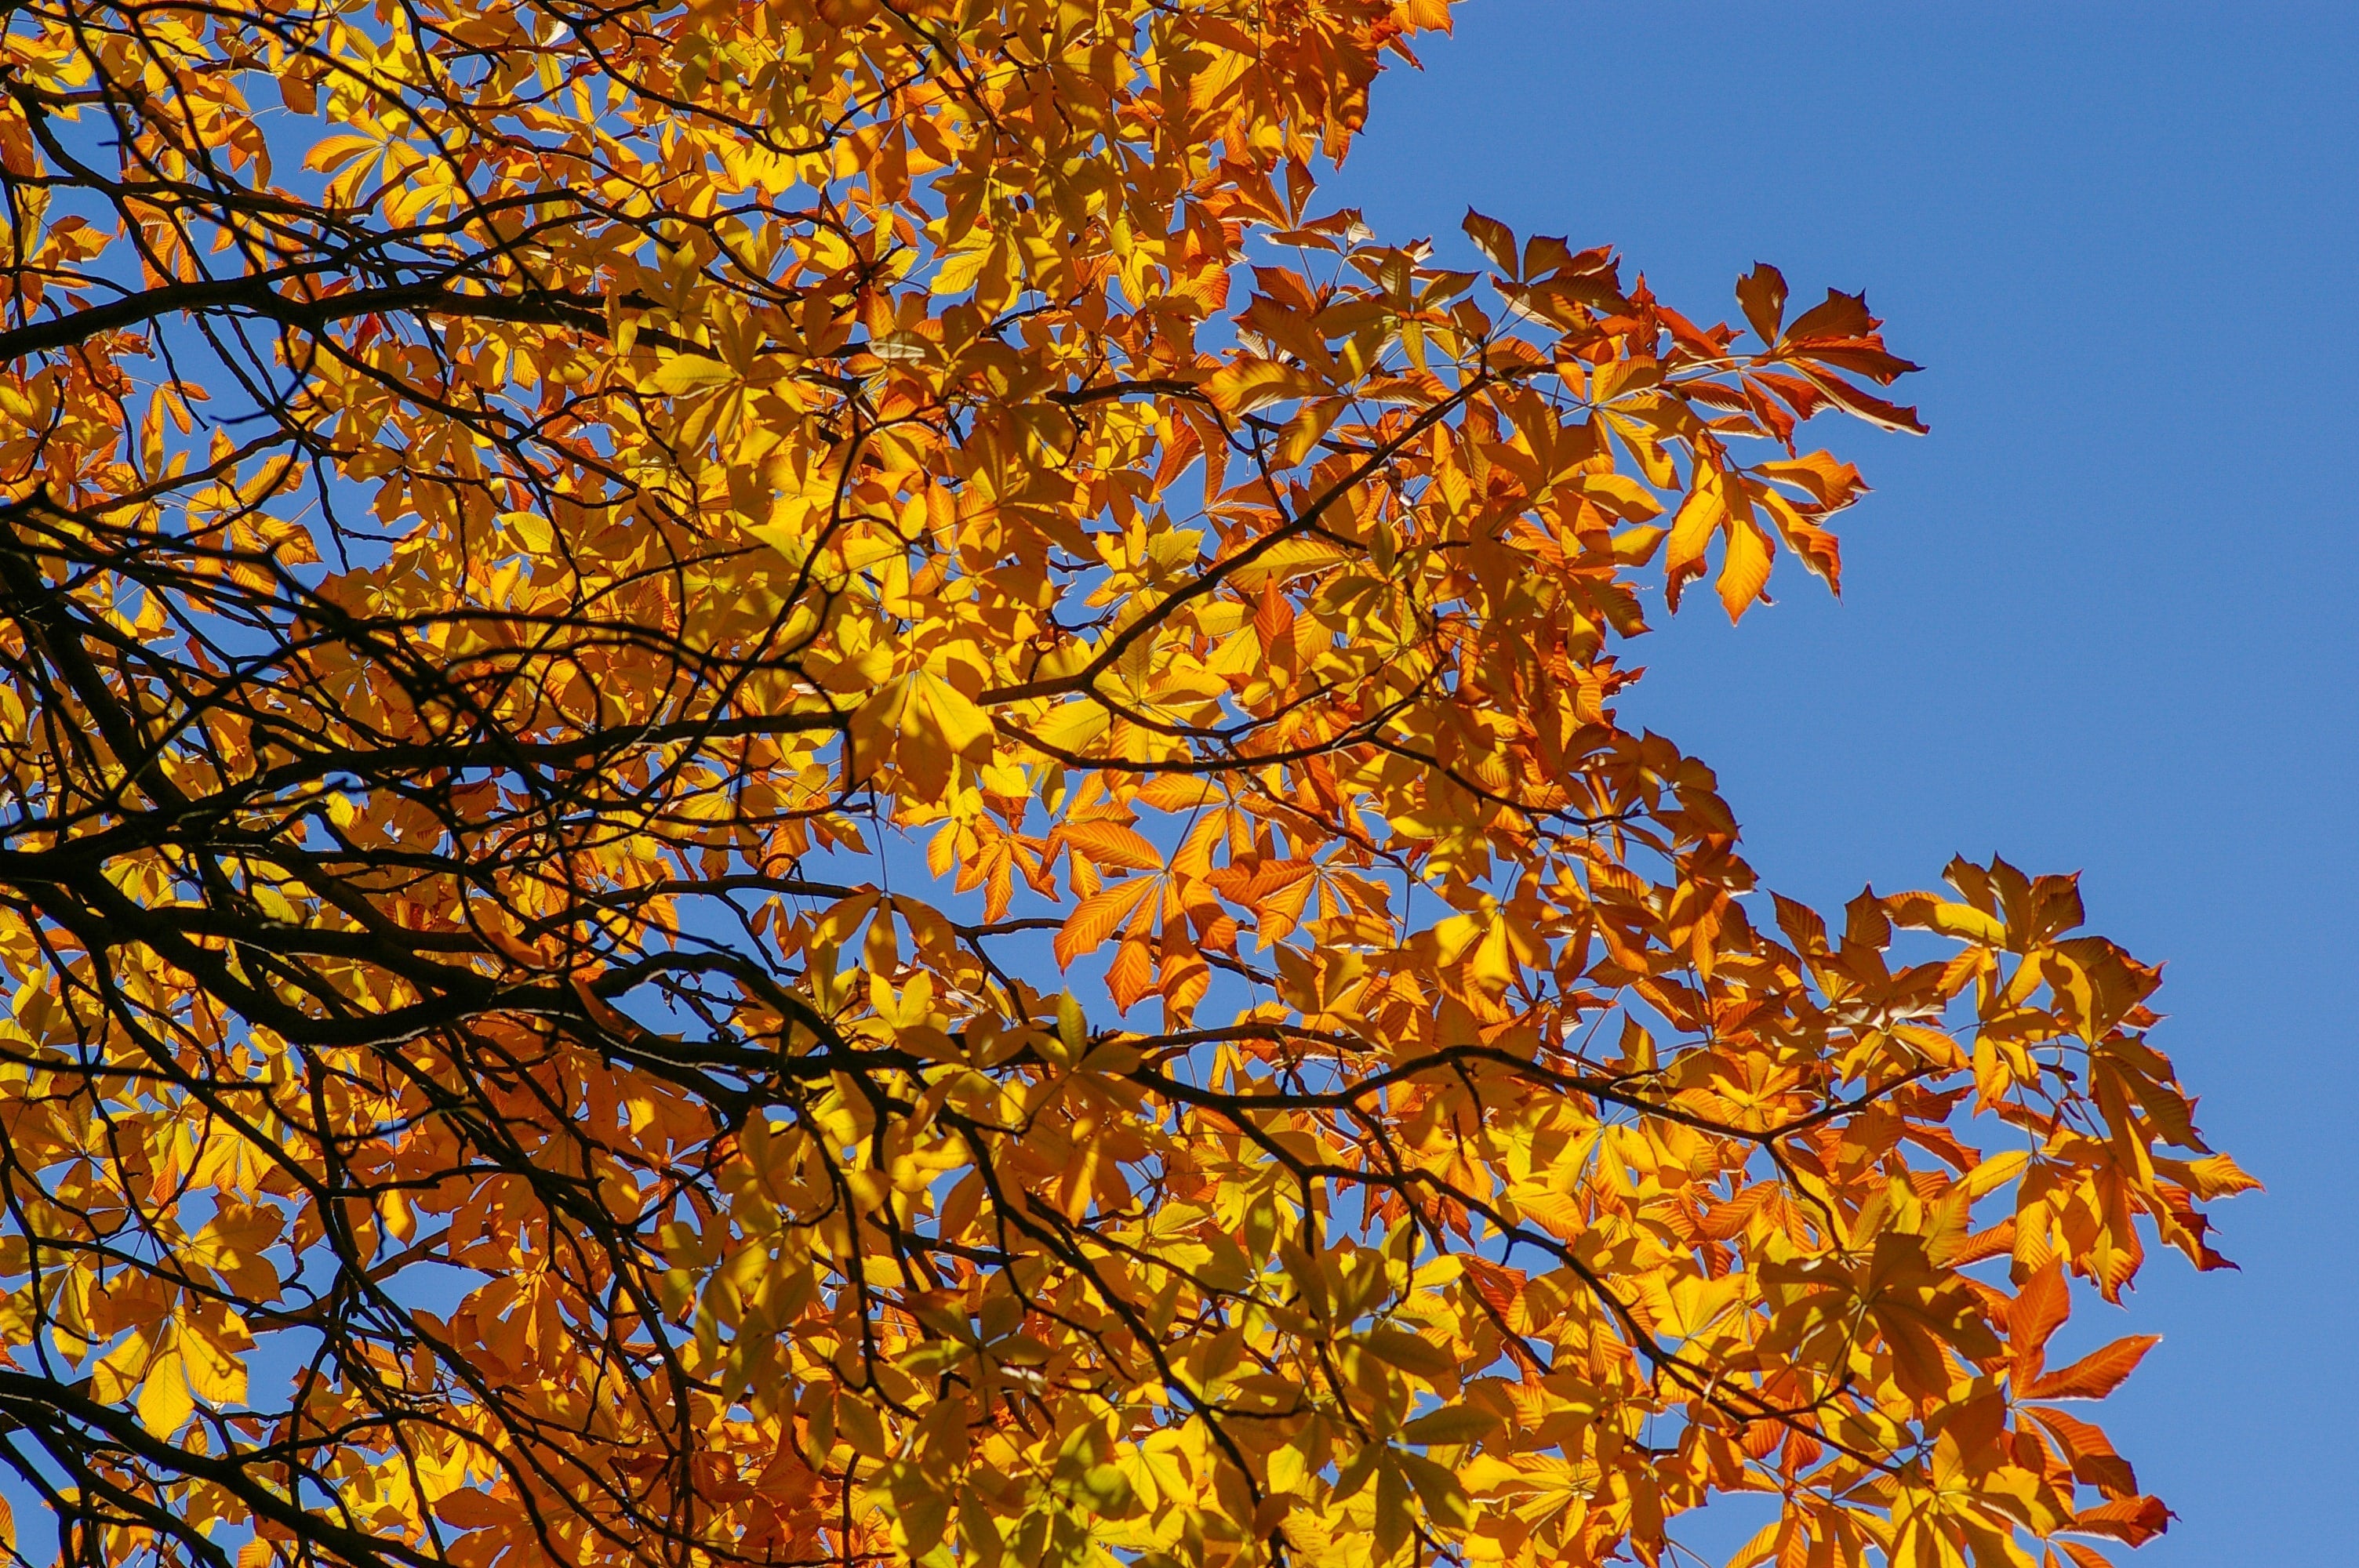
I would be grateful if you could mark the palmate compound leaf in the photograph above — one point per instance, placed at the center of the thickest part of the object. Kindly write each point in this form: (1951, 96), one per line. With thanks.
(617, 630)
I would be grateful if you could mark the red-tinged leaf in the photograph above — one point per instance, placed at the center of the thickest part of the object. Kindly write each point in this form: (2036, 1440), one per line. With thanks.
(1865, 926)
(1802, 397)
(1778, 421)
(2131, 1520)
(2084, 1556)
(2089, 1452)
(1839, 315)
(1762, 293)
(471, 1509)
(1709, 345)
(2184, 1225)
(1095, 917)
(1866, 406)
(1876, 364)
(2097, 1374)
(1549, 255)
(1289, 289)
(1803, 926)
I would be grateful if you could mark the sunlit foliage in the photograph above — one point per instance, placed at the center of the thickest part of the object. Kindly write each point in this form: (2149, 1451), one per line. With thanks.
(797, 782)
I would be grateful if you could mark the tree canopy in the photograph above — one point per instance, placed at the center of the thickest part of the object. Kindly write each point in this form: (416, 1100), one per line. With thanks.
(792, 781)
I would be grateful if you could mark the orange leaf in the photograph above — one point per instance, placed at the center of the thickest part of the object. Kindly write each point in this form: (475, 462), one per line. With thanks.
(2084, 1556)
(2089, 1451)
(1762, 293)
(1494, 240)
(1248, 385)
(2134, 1520)
(1095, 917)
(1112, 844)
(2097, 1374)
(1274, 622)
(1132, 973)
(1745, 570)
(2043, 1304)
(1700, 515)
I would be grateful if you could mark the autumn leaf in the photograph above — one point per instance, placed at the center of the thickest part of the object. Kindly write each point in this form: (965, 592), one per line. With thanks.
(628, 881)
(2132, 1520)
(1096, 917)
(1495, 240)
(689, 372)
(1111, 844)
(2097, 1374)
(1762, 293)
(1249, 386)
(2038, 1311)
(921, 722)
(1946, 916)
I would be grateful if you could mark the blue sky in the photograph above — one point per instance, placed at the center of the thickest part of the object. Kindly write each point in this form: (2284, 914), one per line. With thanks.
(2103, 618)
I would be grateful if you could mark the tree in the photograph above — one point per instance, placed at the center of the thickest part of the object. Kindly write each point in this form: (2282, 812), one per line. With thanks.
(749, 820)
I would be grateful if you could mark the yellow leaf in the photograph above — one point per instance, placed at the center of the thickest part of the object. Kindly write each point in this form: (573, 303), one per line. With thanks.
(330, 153)
(1414, 1355)
(1931, 912)
(215, 1366)
(1071, 726)
(1620, 494)
(1246, 385)
(960, 269)
(1994, 1173)
(531, 530)
(1636, 546)
(1698, 515)
(1695, 1303)
(689, 372)
(1745, 571)
(964, 726)
(1452, 1426)
(165, 1401)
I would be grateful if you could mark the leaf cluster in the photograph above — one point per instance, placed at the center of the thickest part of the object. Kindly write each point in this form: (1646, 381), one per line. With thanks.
(791, 783)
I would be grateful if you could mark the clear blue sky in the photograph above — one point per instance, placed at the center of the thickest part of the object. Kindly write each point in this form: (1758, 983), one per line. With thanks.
(2106, 617)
